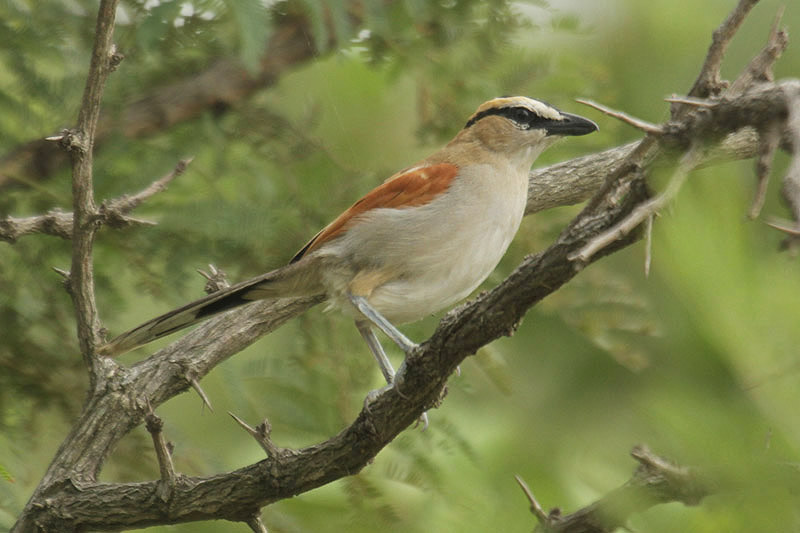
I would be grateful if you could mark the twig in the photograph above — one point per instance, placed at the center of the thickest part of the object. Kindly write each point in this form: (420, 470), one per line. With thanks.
(112, 213)
(760, 67)
(683, 483)
(767, 146)
(125, 204)
(643, 211)
(708, 82)
(637, 123)
(655, 481)
(55, 222)
(261, 433)
(154, 425)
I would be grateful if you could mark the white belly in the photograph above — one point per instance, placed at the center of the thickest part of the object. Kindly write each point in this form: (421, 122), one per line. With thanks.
(444, 250)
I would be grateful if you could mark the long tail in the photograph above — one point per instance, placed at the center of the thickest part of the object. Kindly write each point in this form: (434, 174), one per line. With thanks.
(295, 279)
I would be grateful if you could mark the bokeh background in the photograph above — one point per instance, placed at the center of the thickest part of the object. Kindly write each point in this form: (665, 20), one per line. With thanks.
(700, 360)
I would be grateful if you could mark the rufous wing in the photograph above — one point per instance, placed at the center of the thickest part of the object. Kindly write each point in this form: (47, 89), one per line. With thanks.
(409, 188)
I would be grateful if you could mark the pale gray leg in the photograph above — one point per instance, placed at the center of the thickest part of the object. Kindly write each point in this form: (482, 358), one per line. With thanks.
(381, 323)
(383, 362)
(377, 350)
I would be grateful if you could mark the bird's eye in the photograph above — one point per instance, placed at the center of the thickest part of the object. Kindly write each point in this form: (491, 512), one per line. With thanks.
(522, 116)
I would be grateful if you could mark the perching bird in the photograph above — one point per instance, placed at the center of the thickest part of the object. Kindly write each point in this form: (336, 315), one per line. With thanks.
(418, 243)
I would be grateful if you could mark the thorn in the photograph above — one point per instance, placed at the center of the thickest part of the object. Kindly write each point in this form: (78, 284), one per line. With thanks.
(537, 510)
(784, 226)
(61, 272)
(260, 433)
(142, 221)
(196, 386)
(648, 248)
(689, 100)
(767, 146)
(643, 125)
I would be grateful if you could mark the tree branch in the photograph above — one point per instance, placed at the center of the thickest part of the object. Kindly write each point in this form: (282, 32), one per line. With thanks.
(112, 213)
(708, 82)
(80, 143)
(656, 480)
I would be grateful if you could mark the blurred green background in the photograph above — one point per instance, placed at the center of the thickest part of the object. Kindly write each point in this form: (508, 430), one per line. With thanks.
(700, 361)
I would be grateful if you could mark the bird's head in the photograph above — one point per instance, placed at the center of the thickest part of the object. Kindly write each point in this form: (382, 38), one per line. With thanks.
(522, 127)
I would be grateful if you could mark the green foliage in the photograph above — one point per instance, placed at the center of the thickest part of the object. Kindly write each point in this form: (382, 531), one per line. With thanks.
(698, 360)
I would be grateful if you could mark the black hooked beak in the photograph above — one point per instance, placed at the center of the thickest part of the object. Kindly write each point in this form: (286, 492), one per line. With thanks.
(570, 125)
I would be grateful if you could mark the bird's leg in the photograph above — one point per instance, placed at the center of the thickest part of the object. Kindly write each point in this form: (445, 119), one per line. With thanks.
(383, 362)
(377, 350)
(371, 314)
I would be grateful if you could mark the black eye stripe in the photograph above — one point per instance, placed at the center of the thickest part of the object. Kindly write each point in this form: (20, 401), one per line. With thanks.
(522, 116)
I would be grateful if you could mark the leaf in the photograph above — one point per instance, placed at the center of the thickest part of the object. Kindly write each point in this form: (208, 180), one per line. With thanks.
(251, 19)
(6, 475)
(157, 24)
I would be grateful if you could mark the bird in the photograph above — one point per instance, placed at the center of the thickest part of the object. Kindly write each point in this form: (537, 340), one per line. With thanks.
(418, 243)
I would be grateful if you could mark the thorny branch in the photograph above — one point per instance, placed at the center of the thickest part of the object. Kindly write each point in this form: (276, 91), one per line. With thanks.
(697, 122)
(80, 144)
(112, 213)
(656, 480)
(70, 499)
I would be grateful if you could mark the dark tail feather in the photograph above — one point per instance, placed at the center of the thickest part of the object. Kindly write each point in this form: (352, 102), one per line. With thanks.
(296, 279)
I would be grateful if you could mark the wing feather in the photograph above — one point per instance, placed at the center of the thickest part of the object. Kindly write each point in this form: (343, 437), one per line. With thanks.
(409, 188)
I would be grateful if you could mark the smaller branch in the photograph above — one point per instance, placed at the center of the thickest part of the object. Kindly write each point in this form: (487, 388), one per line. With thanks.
(125, 204)
(261, 433)
(199, 390)
(536, 508)
(257, 525)
(154, 426)
(642, 212)
(760, 67)
(55, 222)
(655, 481)
(682, 483)
(113, 213)
(767, 146)
(708, 82)
(643, 125)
